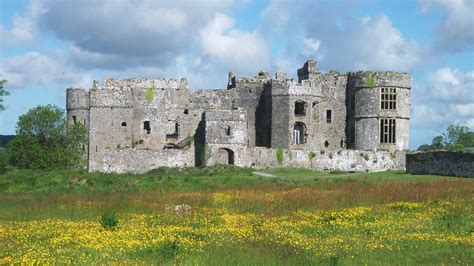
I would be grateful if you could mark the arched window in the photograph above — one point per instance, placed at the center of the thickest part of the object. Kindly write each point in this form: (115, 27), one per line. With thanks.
(299, 133)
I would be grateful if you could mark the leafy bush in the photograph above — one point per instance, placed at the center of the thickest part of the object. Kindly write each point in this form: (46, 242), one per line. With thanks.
(311, 155)
(45, 141)
(3, 160)
(279, 156)
(169, 250)
(109, 221)
(456, 147)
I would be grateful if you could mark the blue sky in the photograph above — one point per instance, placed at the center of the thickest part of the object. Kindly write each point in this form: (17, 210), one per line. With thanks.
(47, 46)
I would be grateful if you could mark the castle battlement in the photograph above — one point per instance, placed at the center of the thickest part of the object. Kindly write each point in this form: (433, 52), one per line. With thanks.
(145, 83)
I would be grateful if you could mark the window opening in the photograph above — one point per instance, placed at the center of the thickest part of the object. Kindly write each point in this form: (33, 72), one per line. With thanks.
(300, 108)
(124, 124)
(227, 131)
(388, 99)
(326, 144)
(74, 119)
(328, 116)
(387, 130)
(186, 111)
(146, 126)
(299, 133)
(176, 132)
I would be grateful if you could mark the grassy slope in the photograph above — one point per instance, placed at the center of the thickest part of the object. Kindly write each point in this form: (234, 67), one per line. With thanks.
(190, 179)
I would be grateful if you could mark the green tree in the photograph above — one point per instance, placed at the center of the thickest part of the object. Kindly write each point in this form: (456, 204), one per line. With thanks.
(45, 141)
(437, 142)
(453, 133)
(467, 139)
(3, 92)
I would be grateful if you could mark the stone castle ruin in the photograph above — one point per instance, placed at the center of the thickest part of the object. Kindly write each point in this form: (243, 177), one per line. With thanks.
(356, 121)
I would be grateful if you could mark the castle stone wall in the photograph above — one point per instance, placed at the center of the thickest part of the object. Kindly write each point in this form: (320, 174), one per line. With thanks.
(141, 161)
(341, 160)
(154, 118)
(365, 120)
(333, 134)
(441, 163)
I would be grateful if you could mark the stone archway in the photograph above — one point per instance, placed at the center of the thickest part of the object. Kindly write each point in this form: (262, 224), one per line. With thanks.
(224, 156)
(299, 133)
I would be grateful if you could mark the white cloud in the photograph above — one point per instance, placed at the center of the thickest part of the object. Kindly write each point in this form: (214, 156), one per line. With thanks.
(311, 46)
(120, 34)
(342, 42)
(239, 50)
(368, 44)
(452, 85)
(446, 98)
(455, 31)
(33, 68)
(23, 26)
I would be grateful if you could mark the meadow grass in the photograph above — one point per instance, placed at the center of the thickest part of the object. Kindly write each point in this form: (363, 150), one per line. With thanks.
(231, 216)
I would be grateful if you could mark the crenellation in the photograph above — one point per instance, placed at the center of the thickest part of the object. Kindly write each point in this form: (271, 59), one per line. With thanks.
(138, 124)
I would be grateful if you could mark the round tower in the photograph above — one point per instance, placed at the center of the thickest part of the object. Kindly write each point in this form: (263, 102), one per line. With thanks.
(381, 109)
(77, 106)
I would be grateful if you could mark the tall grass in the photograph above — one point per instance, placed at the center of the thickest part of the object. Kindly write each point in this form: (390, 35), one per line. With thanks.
(180, 204)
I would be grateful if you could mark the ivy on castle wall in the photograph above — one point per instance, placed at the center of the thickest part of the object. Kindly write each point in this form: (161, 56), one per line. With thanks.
(370, 81)
(149, 94)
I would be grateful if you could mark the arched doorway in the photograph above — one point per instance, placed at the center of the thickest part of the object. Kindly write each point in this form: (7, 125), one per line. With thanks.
(299, 133)
(225, 156)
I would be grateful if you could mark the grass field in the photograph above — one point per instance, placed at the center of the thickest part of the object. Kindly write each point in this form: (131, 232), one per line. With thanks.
(228, 215)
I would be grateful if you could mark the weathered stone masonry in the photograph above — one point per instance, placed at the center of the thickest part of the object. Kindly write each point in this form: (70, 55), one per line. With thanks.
(136, 125)
(447, 163)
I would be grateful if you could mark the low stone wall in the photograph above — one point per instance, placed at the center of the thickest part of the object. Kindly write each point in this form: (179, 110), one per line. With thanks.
(343, 160)
(141, 161)
(441, 163)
